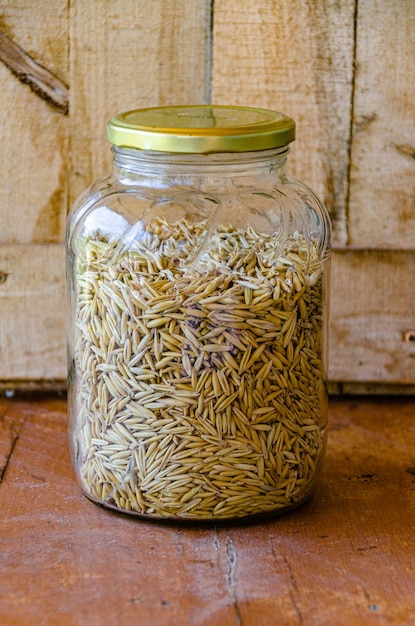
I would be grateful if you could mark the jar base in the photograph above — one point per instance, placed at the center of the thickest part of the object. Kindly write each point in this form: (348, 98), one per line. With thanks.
(203, 522)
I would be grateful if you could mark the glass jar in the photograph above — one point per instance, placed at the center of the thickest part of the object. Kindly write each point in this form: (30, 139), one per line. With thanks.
(197, 277)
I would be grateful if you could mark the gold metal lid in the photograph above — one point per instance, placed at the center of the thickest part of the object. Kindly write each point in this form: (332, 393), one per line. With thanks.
(201, 129)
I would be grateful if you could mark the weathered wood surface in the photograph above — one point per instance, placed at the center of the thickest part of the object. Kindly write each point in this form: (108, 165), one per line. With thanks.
(342, 69)
(382, 183)
(372, 328)
(346, 557)
(122, 55)
(32, 309)
(126, 55)
(33, 135)
(370, 319)
(296, 57)
(41, 80)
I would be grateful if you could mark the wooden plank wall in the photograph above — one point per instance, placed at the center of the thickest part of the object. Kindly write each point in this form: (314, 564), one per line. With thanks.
(343, 70)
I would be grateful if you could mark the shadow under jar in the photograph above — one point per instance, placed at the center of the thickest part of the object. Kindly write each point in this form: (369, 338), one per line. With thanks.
(197, 282)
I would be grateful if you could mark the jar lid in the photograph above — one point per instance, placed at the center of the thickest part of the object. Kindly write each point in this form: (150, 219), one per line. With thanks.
(201, 129)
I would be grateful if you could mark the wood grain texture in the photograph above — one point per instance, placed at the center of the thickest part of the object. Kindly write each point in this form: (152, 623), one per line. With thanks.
(296, 57)
(346, 557)
(41, 80)
(382, 183)
(32, 306)
(127, 55)
(33, 136)
(372, 311)
(343, 70)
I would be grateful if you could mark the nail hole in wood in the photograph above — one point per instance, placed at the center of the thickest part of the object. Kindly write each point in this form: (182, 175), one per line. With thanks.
(3, 277)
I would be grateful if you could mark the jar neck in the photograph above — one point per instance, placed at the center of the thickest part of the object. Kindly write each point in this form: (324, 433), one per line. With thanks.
(162, 169)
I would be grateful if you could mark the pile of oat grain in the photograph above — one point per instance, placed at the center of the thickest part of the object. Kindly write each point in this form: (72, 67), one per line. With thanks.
(200, 388)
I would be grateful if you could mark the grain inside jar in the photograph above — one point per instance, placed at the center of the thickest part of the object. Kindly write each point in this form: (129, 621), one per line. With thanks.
(200, 385)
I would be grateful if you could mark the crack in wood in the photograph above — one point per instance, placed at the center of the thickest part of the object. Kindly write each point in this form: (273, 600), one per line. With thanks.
(352, 116)
(293, 591)
(293, 587)
(230, 580)
(231, 554)
(8, 440)
(231, 559)
(41, 80)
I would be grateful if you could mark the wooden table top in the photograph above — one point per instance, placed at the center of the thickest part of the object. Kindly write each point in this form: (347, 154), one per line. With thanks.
(345, 557)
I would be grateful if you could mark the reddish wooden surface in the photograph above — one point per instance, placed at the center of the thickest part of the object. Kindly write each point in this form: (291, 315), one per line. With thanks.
(345, 557)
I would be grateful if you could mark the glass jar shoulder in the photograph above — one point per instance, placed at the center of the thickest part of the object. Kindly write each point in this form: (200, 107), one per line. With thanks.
(311, 203)
(85, 201)
(276, 202)
(106, 207)
(268, 204)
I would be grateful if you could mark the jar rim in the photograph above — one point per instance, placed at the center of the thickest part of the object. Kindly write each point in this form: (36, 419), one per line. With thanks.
(201, 129)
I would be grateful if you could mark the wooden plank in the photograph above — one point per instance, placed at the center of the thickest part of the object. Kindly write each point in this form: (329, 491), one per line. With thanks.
(346, 557)
(33, 135)
(372, 317)
(296, 57)
(370, 389)
(32, 308)
(122, 55)
(126, 55)
(382, 187)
